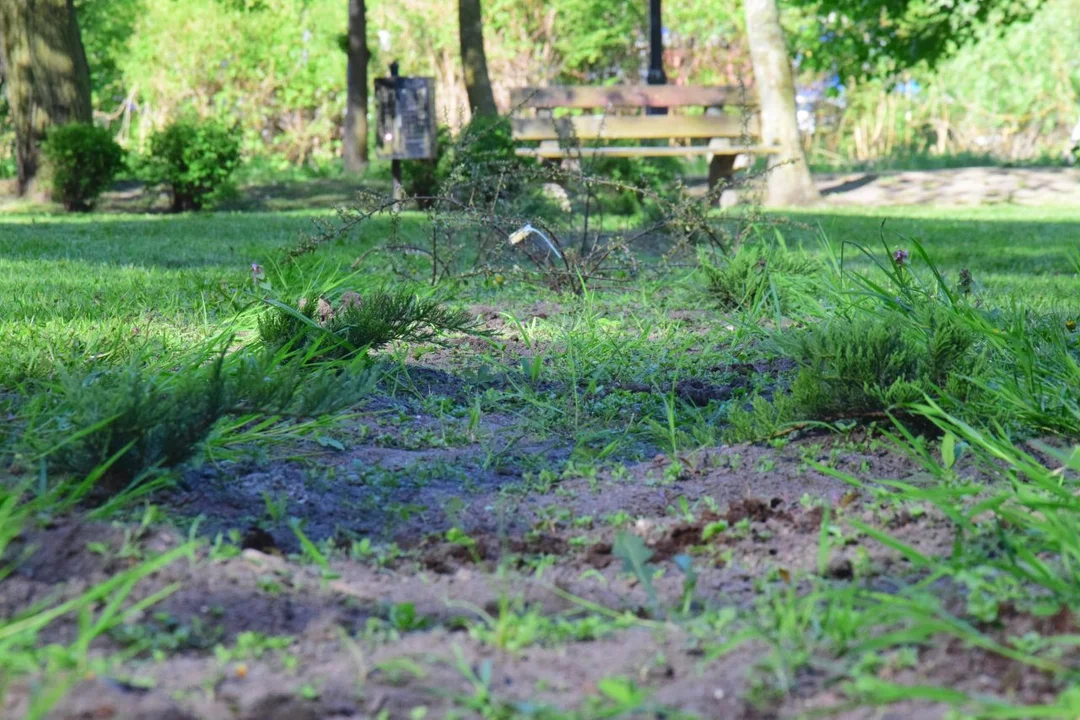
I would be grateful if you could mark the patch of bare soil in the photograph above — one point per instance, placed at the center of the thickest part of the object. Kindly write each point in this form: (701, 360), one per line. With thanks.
(549, 553)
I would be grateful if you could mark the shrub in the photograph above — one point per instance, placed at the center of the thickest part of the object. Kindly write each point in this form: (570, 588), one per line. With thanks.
(83, 159)
(141, 416)
(480, 161)
(862, 366)
(634, 177)
(359, 323)
(422, 178)
(195, 159)
(742, 278)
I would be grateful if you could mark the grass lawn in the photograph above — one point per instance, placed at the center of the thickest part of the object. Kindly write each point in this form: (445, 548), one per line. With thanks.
(751, 487)
(1023, 250)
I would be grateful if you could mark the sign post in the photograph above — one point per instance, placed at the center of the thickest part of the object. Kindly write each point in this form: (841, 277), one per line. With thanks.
(405, 123)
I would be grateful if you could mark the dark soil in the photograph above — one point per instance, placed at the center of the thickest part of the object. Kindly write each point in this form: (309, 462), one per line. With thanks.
(263, 592)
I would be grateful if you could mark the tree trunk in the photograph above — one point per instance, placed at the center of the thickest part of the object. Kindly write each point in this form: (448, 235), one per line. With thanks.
(47, 78)
(355, 149)
(473, 60)
(788, 180)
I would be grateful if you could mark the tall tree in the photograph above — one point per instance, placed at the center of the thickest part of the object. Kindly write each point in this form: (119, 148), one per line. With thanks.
(788, 180)
(355, 149)
(473, 59)
(47, 77)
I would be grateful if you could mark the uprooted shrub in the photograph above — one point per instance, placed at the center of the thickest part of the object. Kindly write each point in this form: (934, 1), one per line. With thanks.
(555, 232)
(636, 181)
(354, 324)
(131, 419)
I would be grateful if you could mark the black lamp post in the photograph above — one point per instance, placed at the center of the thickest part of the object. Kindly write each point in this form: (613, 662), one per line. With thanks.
(656, 74)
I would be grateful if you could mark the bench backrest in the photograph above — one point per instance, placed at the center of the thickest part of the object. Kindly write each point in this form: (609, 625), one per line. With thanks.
(724, 119)
(639, 96)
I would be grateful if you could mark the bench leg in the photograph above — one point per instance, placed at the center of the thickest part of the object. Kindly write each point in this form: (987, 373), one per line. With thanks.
(547, 144)
(721, 170)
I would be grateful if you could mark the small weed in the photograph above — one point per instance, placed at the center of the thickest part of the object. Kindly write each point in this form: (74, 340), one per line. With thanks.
(359, 323)
(457, 536)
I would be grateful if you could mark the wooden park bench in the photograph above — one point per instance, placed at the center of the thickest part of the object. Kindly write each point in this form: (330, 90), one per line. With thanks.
(729, 127)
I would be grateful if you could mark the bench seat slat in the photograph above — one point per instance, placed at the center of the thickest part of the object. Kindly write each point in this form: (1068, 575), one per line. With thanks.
(637, 127)
(638, 151)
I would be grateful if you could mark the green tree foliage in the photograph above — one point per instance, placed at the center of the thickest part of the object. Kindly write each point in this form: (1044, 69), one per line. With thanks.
(276, 68)
(1011, 97)
(107, 26)
(862, 39)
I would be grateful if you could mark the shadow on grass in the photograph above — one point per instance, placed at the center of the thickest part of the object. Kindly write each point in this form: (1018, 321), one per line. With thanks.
(260, 195)
(191, 240)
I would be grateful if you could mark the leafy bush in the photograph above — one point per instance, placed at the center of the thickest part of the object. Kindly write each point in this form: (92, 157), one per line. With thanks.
(358, 323)
(632, 178)
(422, 178)
(83, 159)
(8, 166)
(195, 159)
(480, 160)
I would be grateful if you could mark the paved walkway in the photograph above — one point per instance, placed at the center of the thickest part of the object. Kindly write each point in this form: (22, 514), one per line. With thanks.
(963, 186)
